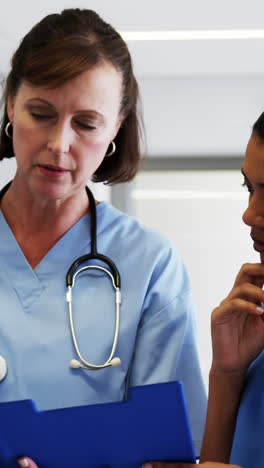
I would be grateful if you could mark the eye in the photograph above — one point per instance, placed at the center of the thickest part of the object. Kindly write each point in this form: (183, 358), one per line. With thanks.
(40, 116)
(248, 186)
(85, 126)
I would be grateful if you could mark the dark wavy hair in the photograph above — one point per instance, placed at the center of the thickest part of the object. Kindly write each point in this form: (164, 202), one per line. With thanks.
(258, 127)
(60, 47)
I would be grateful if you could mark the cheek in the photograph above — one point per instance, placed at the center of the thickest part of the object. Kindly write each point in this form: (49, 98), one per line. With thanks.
(93, 153)
(20, 135)
(26, 138)
(25, 150)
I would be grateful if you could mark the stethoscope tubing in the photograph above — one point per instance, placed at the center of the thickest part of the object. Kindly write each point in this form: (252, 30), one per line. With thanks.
(108, 362)
(113, 274)
(71, 275)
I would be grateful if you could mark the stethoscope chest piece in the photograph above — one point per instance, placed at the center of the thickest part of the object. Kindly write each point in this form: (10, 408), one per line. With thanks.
(3, 368)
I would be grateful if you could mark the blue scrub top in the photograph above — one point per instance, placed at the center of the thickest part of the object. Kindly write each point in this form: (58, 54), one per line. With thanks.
(157, 341)
(248, 445)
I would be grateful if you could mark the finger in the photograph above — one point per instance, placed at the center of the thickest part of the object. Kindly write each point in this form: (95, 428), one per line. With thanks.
(26, 462)
(252, 273)
(247, 291)
(229, 308)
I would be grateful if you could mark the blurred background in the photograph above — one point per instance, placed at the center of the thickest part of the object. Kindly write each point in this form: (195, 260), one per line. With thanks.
(202, 89)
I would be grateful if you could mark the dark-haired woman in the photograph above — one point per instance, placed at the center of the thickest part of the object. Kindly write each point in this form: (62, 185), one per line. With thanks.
(234, 427)
(237, 374)
(70, 115)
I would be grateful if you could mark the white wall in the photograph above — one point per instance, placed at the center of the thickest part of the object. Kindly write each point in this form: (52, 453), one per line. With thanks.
(200, 211)
(200, 115)
(7, 170)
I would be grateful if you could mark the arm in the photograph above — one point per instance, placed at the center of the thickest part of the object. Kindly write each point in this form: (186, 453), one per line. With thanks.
(237, 339)
(223, 403)
(166, 348)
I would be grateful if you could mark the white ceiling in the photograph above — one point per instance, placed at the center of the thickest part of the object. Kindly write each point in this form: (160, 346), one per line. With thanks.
(175, 63)
(154, 58)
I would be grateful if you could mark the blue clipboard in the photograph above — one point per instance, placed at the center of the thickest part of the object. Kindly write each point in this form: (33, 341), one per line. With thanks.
(151, 425)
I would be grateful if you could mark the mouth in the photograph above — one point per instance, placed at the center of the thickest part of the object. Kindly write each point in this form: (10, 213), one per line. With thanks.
(53, 168)
(258, 244)
(52, 171)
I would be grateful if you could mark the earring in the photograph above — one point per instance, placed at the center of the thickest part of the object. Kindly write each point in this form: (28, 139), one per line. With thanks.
(7, 129)
(112, 150)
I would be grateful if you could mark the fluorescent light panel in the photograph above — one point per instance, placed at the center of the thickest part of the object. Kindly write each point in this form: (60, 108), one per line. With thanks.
(192, 35)
(186, 195)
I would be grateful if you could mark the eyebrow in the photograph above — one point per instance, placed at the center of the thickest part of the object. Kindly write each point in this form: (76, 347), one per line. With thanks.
(80, 111)
(259, 184)
(39, 101)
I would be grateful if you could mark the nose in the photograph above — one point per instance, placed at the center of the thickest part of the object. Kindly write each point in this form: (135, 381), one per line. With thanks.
(254, 214)
(60, 138)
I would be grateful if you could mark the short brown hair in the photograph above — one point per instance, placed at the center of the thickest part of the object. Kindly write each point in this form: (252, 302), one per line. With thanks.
(60, 47)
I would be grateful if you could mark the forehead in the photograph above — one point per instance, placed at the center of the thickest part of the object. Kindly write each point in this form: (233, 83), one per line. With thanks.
(101, 84)
(253, 165)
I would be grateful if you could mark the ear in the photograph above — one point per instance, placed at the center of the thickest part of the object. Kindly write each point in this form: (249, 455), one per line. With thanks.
(10, 108)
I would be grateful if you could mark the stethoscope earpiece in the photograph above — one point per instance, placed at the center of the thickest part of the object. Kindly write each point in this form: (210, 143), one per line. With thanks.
(115, 362)
(74, 364)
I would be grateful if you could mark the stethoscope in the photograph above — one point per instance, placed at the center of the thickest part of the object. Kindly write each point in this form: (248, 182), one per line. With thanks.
(74, 270)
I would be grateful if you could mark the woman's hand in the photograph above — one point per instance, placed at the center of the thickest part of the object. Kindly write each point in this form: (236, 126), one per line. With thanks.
(237, 323)
(188, 465)
(237, 339)
(26, 462)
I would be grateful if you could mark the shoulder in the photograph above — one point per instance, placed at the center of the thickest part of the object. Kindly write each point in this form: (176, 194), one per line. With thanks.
(110, 217)
(157, 257)
(129, 228)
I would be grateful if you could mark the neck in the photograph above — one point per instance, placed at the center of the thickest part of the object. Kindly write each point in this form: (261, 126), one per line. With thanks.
(38, 224)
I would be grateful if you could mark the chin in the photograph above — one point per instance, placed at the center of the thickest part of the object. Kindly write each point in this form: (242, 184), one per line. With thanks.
(49, 192)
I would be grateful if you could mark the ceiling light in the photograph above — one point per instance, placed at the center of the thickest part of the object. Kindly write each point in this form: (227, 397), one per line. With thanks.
(192, 35)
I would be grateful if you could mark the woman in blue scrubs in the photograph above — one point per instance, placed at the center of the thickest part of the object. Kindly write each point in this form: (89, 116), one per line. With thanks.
(70, 116)
(234, 428)
(236, 377)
